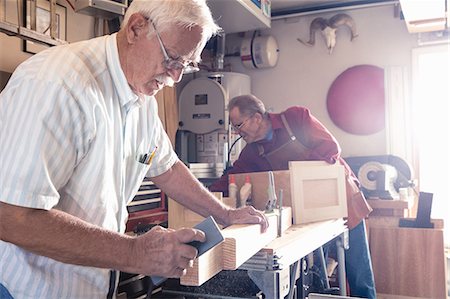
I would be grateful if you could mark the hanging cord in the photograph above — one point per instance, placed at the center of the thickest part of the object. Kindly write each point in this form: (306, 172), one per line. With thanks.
(71, 5)
(229, 153)
(251, 48)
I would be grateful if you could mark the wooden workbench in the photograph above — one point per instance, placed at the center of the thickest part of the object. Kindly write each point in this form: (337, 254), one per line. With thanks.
(301, 239)
(297, 242)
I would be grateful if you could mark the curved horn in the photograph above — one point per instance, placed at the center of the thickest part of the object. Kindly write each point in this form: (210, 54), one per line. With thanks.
(346, 20)
(316, 24)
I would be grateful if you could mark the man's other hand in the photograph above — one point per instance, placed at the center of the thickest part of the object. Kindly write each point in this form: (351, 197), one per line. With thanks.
(248, 215)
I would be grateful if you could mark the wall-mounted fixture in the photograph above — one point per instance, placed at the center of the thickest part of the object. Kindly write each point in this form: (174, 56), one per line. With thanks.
(425, 15)
(259, 52)
(328, 29)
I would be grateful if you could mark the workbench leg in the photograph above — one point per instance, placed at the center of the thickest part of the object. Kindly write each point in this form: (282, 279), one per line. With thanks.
(322, 267)
(292, 279)
(274, 284)
(341, 245)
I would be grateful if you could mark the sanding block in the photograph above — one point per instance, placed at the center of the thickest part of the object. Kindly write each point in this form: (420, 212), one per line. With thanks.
(213, 238)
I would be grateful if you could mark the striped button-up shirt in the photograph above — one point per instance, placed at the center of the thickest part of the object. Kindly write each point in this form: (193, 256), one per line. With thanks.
(72, 133)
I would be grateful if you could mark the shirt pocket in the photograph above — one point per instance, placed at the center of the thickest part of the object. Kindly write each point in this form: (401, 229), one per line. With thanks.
(135, 174)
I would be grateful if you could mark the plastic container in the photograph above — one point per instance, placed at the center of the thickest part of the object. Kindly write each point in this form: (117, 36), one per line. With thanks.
(232, 189)
(245, 192)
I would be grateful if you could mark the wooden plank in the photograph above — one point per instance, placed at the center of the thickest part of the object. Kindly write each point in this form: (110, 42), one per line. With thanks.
(204, 268)
(394, 208)
(318, 191)
(389, 212)
(242, 241)
(177, 215)
(389, 204)
(180, 216)
(393, 222)
(409, 261)
(168, 111)
(231, 202)
(301, 239)
(260, 182)
(8, 28)
(37, 37)
(159, 96)
(171, 113)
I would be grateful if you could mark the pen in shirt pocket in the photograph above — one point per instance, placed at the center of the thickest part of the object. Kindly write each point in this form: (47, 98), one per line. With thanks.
(149, 157)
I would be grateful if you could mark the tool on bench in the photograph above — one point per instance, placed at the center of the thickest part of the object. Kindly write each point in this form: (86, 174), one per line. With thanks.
(213, 237)
(272, 202)
(272, 197)
(280, 212)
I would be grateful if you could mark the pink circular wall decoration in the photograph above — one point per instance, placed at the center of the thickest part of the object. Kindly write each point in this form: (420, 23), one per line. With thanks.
(355, 100)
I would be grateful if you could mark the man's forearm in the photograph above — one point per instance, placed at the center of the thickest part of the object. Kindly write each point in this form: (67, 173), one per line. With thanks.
(65, 238)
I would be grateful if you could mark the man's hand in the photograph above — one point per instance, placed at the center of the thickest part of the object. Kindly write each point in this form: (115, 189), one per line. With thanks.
(248, 214)
(164, 252)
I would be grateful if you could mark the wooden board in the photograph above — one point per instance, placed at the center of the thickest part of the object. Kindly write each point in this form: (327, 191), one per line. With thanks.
(318, 191)
(301, 239)
(231, 202)
(180, 216)
(241, 242)
(168, 111)
(395, 208)
(204, 268)
(159, 96)
(408, 261)
(393, 222)
(260, 183)
(171, 113)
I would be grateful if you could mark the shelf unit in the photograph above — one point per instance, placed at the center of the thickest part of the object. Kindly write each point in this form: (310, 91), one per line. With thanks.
(30, 34)
(238, 15)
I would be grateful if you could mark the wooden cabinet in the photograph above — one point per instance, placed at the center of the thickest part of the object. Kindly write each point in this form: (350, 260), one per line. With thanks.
(168, 111)
(407, 262)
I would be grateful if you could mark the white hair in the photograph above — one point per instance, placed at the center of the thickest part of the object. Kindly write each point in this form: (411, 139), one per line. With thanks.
(164, 13)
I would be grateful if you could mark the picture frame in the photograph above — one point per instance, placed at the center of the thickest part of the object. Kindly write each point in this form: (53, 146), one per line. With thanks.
(43, 23)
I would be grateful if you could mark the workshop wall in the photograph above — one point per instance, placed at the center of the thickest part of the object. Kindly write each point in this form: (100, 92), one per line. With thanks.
(304, 74)
(79, 27)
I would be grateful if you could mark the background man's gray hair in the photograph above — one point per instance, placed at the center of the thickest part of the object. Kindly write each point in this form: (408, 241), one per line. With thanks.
(247, 104)
(164, 13)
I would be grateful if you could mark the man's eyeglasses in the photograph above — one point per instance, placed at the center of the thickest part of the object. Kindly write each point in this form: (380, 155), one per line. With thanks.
(175, 64)
(241, 125)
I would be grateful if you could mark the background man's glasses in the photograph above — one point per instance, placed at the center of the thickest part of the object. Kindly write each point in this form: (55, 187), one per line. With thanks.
(174, 64)
(241, 125)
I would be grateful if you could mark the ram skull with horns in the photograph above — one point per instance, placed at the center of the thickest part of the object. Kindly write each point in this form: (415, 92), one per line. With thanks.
(328, 29)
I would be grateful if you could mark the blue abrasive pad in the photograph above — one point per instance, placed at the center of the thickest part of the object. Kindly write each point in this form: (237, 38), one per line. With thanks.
(213, 237)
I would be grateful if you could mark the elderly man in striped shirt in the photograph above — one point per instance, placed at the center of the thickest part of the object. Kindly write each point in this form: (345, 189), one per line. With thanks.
(75, 123)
